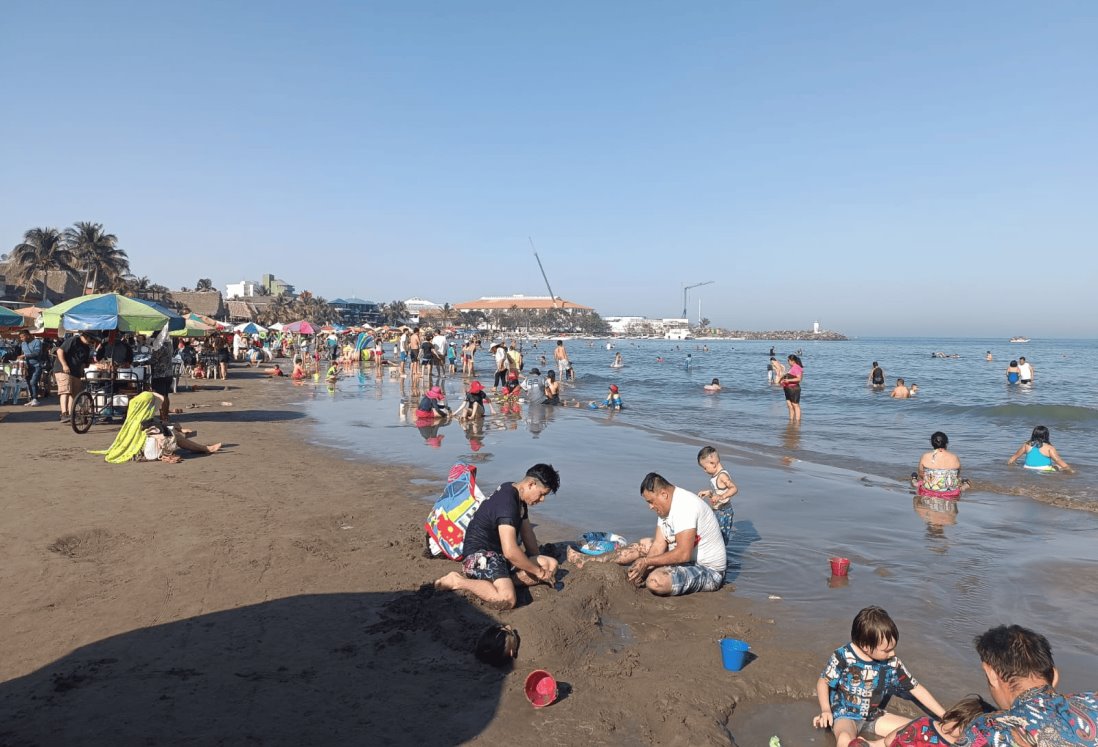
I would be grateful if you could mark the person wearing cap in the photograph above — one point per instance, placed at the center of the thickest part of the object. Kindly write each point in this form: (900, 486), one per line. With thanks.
(73, 357)
(613, 398)
(433, 405)
(532, 381)
(494, 559)
(476, 399)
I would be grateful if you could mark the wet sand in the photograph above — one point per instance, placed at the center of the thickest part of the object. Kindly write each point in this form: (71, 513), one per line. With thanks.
(270, 593)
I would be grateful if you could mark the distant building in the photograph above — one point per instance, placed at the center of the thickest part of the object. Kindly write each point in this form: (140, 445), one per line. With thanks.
(620, 325)
(357, 311)
(206, 303)
(528, 303)
(815, 328)
(59, 285)
(243, 289)
(276, 287)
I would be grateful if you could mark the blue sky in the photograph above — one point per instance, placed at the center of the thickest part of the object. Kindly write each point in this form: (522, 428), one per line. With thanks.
(889, 169)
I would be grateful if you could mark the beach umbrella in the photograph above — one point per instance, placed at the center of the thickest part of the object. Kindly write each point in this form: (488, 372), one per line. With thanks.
(301, 328)
(277, 326)
(251, 328)
(110, 311)
(9, 318)
(194, 329)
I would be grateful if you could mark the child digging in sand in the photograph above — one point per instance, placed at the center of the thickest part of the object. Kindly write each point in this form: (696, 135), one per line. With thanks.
(859, 679)
(720, 497)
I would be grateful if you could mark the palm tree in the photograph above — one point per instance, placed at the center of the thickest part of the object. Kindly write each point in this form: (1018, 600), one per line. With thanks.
(96, 253)
(204, 284)
(42, 250)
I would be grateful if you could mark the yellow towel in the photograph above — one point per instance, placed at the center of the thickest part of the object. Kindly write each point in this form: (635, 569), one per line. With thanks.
(131, 439)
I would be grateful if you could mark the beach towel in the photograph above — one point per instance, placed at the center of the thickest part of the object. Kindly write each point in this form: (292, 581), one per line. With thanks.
(131, 439)
(453, 511)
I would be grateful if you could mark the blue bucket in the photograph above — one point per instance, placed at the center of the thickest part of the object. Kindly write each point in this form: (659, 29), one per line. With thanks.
(733, 653)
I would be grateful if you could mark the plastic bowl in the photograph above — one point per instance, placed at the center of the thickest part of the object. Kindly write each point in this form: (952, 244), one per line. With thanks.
(540, 688)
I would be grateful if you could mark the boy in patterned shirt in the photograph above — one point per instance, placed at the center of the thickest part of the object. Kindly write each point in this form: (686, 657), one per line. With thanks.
(859, 679)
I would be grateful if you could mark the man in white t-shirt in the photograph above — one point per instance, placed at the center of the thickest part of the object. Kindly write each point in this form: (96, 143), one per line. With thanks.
(687, 554)
(1025, 371)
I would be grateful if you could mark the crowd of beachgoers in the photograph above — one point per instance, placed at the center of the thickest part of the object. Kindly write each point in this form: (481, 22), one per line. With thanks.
(494, 538)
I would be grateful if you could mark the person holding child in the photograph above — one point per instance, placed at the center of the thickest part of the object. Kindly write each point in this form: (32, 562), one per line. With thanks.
(1022, 676)
(862, 676)
(494, 562)
(720, 497)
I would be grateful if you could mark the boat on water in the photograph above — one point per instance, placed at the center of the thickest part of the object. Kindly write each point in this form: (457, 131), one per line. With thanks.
(1019, 339)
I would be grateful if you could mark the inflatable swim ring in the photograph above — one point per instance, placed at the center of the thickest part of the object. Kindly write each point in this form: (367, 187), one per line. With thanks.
(600, 543)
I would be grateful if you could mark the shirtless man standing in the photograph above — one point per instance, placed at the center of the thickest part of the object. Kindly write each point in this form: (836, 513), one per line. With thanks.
(560, 355)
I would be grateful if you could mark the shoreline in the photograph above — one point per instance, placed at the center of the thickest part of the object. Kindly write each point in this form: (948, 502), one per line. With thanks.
(243, 596)
(270, 592)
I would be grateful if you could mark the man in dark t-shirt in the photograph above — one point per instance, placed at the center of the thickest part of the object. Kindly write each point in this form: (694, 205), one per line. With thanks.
(72, 358)
(494, 562)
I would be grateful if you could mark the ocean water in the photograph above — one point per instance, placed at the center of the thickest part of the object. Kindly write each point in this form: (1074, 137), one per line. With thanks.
(847, 424)
(1021, 546)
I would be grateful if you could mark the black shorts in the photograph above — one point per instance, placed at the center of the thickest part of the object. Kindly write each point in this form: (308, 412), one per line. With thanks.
(162, 386)
(793, 394)
(414, 355)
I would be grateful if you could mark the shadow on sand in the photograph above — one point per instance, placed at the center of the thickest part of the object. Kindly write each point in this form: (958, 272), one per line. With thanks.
(382, 668)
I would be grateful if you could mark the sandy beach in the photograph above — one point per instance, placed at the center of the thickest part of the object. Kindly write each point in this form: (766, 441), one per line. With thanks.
(271, 594)
(268, 595)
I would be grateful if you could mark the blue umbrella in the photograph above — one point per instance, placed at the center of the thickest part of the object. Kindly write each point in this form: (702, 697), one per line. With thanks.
(9, 318)
(110, 311)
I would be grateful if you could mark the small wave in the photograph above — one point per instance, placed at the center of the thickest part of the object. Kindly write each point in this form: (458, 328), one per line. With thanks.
(1036, 413)
(1041, 490)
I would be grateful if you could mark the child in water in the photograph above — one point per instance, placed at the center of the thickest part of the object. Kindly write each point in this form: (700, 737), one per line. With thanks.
(861, 677)
(720, 497)
(476, 399)
(715, 386)
(613, 398)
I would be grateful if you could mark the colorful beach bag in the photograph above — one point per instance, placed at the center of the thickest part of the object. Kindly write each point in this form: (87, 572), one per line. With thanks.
(453, 511)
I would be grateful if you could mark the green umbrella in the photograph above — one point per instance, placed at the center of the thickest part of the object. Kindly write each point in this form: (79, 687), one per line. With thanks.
(109, 311)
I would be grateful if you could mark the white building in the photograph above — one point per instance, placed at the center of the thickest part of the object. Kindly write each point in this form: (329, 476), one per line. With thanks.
(619, 325)
(815, 328)
(243, 289)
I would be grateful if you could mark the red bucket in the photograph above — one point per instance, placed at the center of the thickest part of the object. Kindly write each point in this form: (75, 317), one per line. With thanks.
(839, 566)
(540, 688)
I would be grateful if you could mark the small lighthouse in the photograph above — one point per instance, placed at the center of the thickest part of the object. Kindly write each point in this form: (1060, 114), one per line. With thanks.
(815, 328)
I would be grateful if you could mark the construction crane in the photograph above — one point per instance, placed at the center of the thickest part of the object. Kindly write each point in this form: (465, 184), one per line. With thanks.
(552, 299)
(685, 288)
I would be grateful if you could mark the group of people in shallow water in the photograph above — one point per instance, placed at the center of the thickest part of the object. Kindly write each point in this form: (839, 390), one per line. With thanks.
(939, 472)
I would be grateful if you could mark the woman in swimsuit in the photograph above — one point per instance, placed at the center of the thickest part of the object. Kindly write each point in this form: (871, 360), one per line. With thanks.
(939, 474)
(1039, 453)
(1013, 373)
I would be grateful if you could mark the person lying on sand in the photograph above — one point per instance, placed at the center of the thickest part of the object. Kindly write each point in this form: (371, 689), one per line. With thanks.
(140, 440)
(494, 561)
(686, 555)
